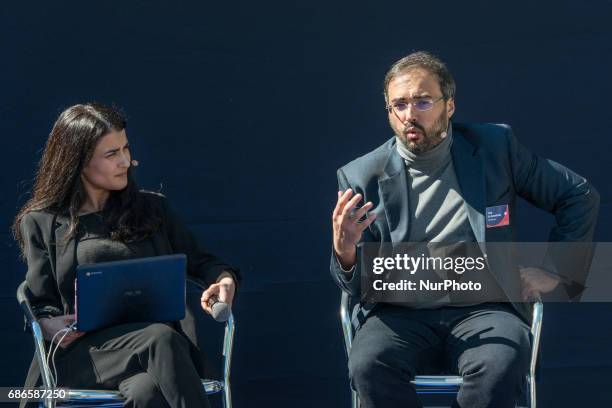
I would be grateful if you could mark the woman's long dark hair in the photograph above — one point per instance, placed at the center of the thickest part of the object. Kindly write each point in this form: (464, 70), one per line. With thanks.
(58, 188)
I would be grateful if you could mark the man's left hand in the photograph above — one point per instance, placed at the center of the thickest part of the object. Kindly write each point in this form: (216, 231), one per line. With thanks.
(224, 290)
(536, 281)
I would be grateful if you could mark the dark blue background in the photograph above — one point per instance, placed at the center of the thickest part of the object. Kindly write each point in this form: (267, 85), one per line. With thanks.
(242, 111)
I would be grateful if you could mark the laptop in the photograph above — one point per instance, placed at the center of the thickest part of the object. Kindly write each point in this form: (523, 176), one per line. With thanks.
(135, 290)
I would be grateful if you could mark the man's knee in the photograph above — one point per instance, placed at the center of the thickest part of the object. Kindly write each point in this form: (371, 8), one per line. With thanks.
(494, 376)
(499, 364)
(372, 365)
(362, 368)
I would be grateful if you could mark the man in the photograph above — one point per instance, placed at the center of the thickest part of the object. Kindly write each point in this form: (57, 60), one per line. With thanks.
(433, 182)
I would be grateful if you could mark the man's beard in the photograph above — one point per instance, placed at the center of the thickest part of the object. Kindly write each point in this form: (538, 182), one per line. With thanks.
(430, 138)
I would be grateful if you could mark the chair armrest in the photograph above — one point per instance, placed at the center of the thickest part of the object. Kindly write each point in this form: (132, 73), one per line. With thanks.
(24, 302)
(536, 331)
(39, 340)
(345, 318)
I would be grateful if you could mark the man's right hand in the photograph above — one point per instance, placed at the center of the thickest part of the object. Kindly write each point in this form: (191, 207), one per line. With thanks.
(51, 325)
(348, 228)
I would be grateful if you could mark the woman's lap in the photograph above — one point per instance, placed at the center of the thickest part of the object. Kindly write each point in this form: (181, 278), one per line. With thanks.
(104, 358)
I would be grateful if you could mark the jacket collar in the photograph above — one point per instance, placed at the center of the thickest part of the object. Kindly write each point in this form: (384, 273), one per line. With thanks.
(470, 175)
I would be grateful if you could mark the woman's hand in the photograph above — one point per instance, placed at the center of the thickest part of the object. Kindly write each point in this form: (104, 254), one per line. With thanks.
(223, 290)
(52, 325)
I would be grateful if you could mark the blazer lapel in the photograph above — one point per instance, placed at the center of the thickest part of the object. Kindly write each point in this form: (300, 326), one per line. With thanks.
(65, 258)
(64, 249)
(394, 194)
(470, 175)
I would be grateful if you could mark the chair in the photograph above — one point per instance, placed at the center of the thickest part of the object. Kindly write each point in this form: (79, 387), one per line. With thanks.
(109, 398)
(449, 384)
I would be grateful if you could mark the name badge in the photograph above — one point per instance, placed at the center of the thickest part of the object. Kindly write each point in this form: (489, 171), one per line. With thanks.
(498, 216)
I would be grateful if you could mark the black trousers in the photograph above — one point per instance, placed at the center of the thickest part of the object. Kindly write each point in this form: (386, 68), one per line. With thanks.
(150, 363)
(487, 344)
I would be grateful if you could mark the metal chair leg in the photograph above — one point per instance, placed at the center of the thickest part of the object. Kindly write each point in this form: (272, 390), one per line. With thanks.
(354, 399)
(228, 346)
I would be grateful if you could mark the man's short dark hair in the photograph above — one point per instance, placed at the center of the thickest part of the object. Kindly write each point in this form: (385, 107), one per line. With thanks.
(428, 62)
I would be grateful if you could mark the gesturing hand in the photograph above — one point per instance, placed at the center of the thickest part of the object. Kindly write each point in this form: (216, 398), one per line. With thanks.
(347, 227)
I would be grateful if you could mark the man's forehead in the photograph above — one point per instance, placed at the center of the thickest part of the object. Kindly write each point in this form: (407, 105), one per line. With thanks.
(416, 81)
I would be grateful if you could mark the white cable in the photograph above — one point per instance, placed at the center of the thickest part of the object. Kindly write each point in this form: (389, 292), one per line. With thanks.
(53, 344)
(51, 354)
(51, 351)
(67, 330)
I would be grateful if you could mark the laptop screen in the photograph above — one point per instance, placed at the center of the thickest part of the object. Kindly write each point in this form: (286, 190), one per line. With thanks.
(136, 290)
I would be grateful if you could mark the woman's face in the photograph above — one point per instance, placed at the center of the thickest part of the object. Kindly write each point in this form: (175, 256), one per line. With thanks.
(107, 169)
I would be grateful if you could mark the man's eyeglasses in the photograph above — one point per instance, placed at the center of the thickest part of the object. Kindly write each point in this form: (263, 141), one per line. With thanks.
(420, 104)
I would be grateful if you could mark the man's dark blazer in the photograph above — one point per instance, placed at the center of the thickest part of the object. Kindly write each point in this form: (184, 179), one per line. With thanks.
(52, 260)
(492, 169)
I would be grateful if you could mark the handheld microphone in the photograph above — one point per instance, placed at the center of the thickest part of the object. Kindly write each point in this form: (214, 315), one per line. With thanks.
(221, 311)
(135, 163)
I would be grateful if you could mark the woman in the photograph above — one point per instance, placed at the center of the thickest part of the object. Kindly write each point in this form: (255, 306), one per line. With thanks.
(86, 208)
